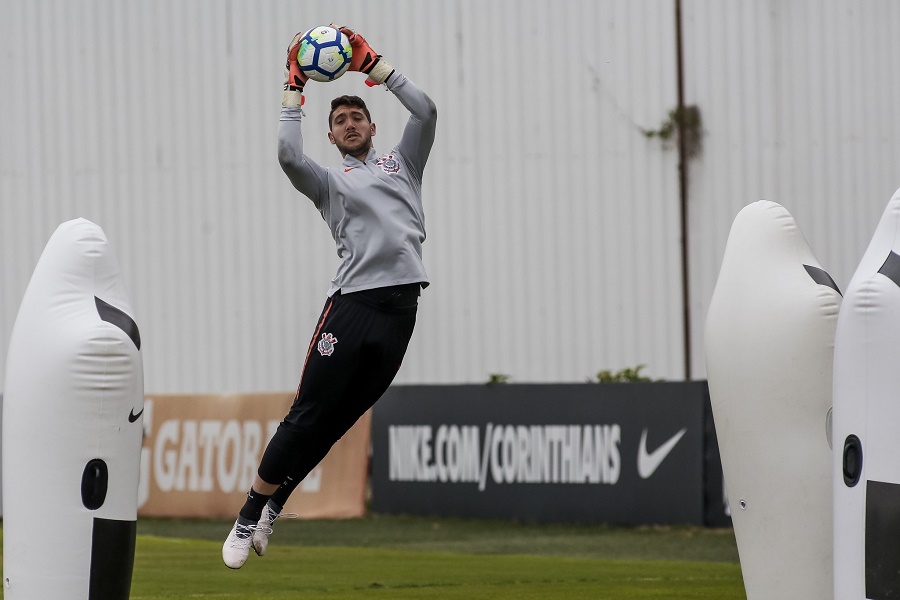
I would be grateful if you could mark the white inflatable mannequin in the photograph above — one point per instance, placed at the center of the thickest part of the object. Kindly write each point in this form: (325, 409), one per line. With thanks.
(769, 350)
(867, 422)
(72, 427)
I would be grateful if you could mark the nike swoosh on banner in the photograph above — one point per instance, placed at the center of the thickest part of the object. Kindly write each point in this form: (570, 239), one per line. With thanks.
(648, 462)
(134, 417)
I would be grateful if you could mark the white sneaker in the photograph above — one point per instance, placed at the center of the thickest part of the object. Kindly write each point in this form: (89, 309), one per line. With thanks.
(260, 537)
(237, 546)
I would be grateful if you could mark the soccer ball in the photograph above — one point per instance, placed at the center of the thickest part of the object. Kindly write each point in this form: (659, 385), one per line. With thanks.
(324, 53)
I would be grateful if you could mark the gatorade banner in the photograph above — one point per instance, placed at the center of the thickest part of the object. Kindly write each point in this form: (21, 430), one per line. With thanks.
(200, 456)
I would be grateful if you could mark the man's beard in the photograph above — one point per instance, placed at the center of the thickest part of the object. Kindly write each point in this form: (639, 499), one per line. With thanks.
(357, 146)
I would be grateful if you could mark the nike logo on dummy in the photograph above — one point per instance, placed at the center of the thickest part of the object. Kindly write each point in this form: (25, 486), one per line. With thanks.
(648, 462)
(134, 417)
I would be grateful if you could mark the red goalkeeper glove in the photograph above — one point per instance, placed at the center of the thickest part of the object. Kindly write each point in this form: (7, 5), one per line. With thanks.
(294, 78)
(365, 59)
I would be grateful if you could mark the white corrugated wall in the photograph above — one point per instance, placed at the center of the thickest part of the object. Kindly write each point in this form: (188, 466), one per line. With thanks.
(799, 103)
(553, 222)
(553, 236)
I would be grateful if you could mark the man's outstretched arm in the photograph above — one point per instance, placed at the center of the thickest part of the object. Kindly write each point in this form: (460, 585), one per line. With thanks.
(418, 136)
(308, 177)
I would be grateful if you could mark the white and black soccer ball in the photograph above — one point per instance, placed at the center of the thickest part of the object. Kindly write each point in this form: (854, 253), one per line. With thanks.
(324, 53)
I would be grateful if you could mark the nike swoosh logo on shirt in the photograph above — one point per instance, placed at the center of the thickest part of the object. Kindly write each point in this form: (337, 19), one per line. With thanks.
(648, 462)
(134, 417)
(350, 169)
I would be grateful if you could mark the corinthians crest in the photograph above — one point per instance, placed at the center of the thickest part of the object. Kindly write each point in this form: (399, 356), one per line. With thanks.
(326, 344)
(388, 164)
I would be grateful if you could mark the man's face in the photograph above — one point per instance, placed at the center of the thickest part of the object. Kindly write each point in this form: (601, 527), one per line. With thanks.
(351, 131)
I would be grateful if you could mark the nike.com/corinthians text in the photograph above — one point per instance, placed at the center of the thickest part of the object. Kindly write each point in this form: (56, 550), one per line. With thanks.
(577, 454)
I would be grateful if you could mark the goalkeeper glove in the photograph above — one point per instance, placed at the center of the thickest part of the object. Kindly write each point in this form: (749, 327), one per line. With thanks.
(366, 60)
(294, 78)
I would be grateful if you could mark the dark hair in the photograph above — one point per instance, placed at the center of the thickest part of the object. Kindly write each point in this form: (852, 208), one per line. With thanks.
(348, 101)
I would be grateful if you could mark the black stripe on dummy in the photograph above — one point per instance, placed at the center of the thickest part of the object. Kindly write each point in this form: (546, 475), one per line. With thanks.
(891, 268)
(112, 559)
(882, 533)
(111, 314)
(821, 277)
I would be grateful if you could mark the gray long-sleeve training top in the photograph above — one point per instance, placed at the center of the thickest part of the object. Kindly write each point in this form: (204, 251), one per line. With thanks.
(373, 208)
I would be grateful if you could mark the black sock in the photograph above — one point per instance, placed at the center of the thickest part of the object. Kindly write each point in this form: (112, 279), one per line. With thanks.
(252, 509)
(284, 491)
(274, 508)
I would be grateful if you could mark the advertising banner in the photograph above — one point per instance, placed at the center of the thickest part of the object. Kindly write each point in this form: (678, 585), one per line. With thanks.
(626, 454)
(200, 456)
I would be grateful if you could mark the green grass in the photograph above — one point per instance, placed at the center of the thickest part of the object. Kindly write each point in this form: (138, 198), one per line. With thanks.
(480, 537)
(405, 557)
(169, 568)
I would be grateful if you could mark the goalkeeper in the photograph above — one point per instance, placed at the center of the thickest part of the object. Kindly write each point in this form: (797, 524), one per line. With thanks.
(373, 206)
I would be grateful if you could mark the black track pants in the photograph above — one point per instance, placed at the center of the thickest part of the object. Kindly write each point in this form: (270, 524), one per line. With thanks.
(354, 355)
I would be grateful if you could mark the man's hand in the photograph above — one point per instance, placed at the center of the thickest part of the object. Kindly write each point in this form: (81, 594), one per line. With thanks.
(365, 59)
(294, 78)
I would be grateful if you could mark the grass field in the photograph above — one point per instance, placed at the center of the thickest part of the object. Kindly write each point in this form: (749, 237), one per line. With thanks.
(404, 557)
